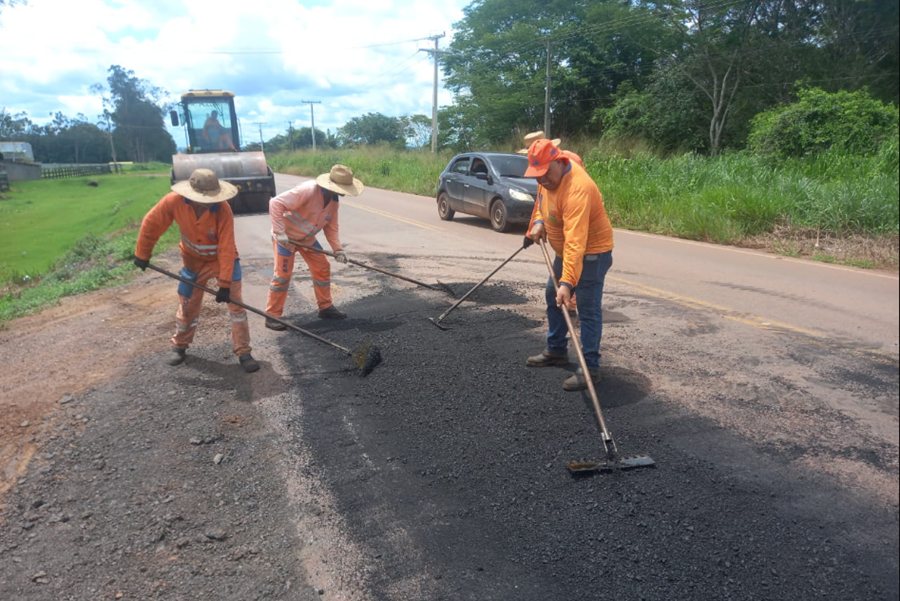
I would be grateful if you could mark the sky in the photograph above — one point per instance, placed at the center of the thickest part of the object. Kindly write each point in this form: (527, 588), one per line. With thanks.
(354, 56)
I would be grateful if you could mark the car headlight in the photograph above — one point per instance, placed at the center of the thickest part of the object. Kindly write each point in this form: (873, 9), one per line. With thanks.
(519, 195)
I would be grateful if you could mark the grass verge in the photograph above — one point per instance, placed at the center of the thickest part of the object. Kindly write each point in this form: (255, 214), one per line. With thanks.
(68, 236)
(92, 263)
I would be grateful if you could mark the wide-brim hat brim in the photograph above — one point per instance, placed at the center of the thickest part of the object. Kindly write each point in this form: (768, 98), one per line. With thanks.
(354, 189)
(226, 191)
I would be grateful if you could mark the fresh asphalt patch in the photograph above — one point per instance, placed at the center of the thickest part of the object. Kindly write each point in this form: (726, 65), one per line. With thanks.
(448, 466)
(441, 475)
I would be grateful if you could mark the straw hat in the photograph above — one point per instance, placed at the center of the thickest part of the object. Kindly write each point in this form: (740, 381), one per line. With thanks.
(204, 187)
(534, 137)
(341, 181)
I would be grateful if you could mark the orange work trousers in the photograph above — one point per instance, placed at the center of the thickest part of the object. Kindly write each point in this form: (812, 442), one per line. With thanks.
(191, 301)
(319, 269)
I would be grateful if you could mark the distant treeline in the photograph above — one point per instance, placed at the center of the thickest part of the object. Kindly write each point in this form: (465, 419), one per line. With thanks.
(130, 129)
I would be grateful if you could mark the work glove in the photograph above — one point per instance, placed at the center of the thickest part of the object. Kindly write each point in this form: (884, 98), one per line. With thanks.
(142, 263)
(340, 256)
(527, 242)
(223, 295)
(283, 240)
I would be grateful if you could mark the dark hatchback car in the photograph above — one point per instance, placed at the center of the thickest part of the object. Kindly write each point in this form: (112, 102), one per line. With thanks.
(487, 184)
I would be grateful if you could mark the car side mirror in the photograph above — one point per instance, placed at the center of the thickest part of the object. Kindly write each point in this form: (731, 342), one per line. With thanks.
(174, 116)
(483, 176)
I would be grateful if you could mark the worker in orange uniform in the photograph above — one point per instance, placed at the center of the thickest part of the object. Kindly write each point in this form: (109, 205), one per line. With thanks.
(297, 216)
(530, 139)
(572, 219)
(207, 250)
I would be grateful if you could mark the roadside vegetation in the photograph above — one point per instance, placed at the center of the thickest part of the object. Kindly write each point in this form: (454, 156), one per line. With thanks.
(819, 180)
(69, 236)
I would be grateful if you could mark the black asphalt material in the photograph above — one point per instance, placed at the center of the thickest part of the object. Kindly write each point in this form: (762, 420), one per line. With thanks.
(454, 471)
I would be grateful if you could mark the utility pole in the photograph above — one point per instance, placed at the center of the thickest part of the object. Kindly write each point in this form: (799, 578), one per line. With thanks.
(262, 146)
(434, 123)
(312, 116)
(547, 96)
(112, 147)
(291, 134)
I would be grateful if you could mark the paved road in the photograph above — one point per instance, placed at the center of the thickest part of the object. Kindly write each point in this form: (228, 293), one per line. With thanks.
(840, 304)
(765, 388)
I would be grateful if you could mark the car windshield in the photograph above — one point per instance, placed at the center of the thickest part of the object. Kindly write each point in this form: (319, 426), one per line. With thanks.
(510, 166)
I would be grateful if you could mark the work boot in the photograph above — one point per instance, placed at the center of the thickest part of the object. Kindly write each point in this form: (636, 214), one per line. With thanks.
(176, 357)
(332, 312)
(546, 359)
(577, 382)
(274, 325)
(249, 363)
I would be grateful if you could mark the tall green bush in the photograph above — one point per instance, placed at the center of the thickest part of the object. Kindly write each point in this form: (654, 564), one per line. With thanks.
(666, 116)
(850, 122)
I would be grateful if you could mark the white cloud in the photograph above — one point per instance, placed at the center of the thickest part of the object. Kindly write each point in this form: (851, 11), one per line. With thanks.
(272, 53)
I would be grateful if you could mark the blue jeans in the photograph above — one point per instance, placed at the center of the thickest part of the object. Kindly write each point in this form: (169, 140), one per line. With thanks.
(589, 298)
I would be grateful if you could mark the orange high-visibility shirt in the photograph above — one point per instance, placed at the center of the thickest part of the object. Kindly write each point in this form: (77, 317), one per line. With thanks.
(207, 239)
(575, 219)
(301, 214)
(572, 158)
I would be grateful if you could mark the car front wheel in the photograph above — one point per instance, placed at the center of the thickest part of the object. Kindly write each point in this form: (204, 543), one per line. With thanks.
(444, 210)
(499, 216)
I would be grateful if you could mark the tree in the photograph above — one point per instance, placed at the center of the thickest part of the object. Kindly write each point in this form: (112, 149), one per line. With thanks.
(373, 128)
(137, 112)
(417, 130)
(13, 126)
(714, 44)
(499, 59)
(859, 45)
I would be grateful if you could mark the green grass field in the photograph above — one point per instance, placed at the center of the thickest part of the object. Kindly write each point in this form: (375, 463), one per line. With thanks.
(64, 237)
(413, 172)
(43, 219)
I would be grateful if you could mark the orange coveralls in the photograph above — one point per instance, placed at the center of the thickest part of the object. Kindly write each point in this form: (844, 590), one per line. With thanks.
(301, 213)
(207, 251)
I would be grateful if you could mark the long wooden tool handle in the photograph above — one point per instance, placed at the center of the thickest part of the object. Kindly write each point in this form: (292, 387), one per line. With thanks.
(478, 285)
(587, 376)
(249, 308)
(351, 261)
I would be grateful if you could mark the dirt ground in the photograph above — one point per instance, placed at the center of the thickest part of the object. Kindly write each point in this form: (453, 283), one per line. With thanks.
(439, 476)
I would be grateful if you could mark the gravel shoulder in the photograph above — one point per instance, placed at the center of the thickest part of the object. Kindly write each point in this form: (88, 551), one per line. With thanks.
(440, 475)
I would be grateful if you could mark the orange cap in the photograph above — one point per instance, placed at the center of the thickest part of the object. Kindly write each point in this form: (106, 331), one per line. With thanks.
(540, 154)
